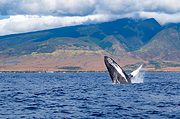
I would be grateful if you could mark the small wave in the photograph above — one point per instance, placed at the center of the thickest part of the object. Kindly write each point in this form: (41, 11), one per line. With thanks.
(139, 78)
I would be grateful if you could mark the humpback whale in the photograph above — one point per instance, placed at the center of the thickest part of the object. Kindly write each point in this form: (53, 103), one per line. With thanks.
(117, 74)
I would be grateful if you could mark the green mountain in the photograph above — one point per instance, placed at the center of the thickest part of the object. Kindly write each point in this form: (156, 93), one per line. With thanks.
(132, 34)
(129, 41)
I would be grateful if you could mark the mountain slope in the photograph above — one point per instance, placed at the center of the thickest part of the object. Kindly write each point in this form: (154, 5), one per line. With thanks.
(165, 45)
(130, 33)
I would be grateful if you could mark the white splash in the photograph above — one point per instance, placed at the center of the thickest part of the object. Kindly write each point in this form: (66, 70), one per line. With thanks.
(139, 78)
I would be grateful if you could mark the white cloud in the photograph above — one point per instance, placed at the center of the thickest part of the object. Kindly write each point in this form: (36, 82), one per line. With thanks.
(27, 23)
(85, 7)
(32, 15)
(46, 7)
(127, 6)
(162, 18)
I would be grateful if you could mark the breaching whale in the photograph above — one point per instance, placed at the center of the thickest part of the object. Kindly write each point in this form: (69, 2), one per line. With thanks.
(117, 74)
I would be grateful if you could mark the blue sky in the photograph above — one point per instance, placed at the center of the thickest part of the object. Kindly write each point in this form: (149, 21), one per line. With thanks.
(18, 16)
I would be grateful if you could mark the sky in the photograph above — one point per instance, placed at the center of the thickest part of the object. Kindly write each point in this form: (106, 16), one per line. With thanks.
(19, 16)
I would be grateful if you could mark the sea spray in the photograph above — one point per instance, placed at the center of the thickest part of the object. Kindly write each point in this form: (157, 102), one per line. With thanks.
(139, 78)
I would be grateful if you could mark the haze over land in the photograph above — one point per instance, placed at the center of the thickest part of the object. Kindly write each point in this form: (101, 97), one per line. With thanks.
(79, 33)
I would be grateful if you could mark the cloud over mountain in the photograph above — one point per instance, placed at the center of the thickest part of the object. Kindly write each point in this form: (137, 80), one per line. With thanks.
(33, 15)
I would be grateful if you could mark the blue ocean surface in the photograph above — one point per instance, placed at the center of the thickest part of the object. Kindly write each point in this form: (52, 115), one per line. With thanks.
(88, 95)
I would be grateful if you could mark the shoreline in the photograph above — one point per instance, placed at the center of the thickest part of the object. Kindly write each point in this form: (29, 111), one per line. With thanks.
(102, 69)
(75, 71)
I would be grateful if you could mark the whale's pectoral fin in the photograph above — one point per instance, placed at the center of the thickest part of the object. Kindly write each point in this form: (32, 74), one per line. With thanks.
(135, 72)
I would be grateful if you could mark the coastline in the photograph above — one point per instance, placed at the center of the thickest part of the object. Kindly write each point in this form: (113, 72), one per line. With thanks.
(76, 71)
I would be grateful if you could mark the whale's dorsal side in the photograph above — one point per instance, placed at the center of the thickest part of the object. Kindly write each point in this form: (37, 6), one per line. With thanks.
(116, 73)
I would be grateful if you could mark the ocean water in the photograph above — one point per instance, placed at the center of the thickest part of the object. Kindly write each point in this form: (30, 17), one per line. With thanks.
(88, 95)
